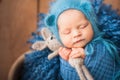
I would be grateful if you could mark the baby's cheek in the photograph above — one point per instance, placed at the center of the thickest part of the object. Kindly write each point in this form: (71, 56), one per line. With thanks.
(66, 41)
(68, 44)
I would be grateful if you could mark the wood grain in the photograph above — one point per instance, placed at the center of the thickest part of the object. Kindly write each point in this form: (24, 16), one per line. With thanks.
(44, 4)
(115, 4)
(17, 21)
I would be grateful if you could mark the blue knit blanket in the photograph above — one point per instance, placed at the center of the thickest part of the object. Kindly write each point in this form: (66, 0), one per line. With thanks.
(38, 67)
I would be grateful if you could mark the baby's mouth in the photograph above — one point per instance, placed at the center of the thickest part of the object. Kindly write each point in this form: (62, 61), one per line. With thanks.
(75, 42)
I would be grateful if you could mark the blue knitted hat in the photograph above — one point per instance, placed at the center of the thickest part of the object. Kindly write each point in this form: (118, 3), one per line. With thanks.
(60, 6)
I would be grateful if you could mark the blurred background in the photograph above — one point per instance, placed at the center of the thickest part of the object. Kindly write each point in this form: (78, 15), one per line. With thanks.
(18, 19)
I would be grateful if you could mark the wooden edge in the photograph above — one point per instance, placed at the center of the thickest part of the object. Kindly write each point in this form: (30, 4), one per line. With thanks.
(16, 66)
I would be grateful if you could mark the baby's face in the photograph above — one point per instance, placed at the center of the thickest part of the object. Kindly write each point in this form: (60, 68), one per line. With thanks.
(74, 29)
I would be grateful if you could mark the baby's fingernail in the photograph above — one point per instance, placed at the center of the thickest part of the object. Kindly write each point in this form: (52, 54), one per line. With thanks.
(60, 48)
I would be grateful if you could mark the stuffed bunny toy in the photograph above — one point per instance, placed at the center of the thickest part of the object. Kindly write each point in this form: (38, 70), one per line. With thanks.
(52, 43)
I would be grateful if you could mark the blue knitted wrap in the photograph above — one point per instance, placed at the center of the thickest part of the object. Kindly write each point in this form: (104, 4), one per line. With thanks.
(38, 67)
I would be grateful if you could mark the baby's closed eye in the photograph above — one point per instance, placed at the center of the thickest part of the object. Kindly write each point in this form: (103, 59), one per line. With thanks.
(83, 26)
(67, 31)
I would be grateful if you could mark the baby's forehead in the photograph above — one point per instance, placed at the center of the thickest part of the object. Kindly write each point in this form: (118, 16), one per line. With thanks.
(71, 17)
(71, 12)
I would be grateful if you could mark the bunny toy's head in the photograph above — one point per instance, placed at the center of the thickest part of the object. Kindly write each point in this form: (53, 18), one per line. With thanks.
(49, 41)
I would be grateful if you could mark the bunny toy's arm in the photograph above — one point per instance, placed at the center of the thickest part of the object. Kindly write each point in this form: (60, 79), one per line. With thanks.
(51, 55)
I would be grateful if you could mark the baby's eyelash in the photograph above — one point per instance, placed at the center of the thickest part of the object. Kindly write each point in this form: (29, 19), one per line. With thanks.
(66, 32)
(83, 26)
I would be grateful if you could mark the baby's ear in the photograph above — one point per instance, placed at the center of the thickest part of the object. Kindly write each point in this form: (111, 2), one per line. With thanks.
(45, 32)
(50, 20)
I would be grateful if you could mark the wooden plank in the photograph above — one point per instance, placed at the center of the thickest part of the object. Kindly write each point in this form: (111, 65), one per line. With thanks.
(115, 4)
(17, 21)
(44, 4)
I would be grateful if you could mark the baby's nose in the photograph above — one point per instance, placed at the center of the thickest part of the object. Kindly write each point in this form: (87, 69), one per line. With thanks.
(76, 33)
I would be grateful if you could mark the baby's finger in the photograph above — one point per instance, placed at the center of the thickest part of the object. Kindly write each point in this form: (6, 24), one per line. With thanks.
(60, 49)
(67, 52)
(62, 53)
(78, 55)
(63, 56)
(72, 53)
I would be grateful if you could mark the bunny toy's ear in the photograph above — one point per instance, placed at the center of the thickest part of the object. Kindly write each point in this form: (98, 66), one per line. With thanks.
(45, 32)
(39, 45)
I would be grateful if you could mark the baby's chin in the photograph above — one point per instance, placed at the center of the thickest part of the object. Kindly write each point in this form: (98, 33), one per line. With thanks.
(80, 45)
(76, 46)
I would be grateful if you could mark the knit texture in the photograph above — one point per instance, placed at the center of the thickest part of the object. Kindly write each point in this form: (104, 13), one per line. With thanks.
(38, 67)
(101, 65)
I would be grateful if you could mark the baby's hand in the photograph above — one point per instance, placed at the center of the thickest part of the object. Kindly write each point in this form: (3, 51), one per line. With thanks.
(64, 53)
(77, 53)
